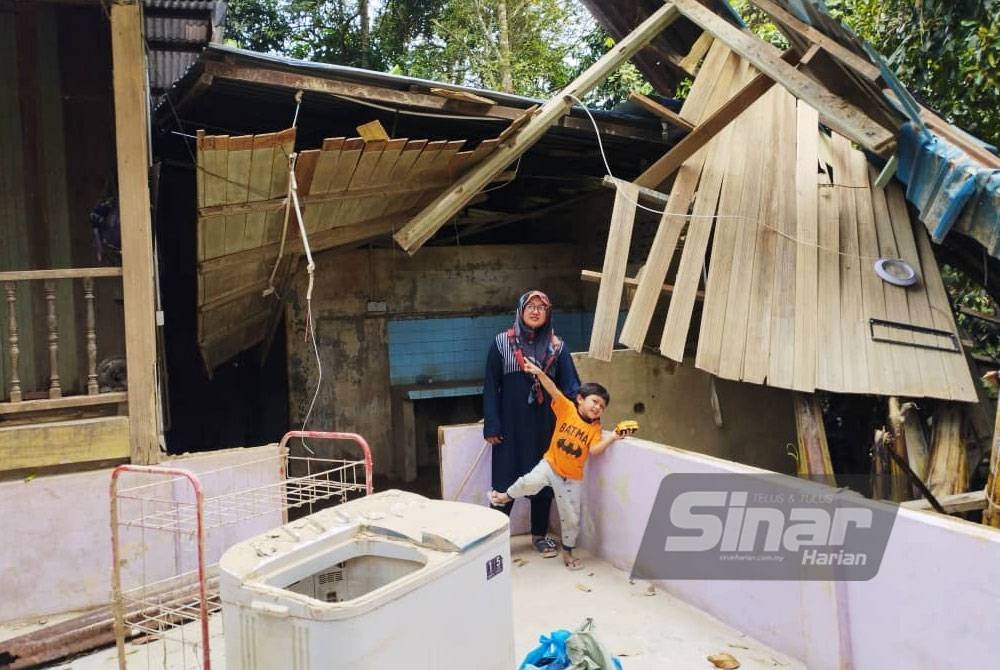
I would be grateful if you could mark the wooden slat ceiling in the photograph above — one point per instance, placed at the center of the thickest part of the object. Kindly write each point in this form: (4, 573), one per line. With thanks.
(790, 222)
(351, 191)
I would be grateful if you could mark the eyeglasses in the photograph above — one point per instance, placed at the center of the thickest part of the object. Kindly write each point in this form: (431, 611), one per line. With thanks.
(535, 307)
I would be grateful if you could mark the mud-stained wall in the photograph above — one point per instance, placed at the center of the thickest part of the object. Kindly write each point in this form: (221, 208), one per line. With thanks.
(358, 292)
(673, 404)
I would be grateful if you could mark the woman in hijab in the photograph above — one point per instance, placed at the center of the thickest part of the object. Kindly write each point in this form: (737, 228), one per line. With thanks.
(518, 420)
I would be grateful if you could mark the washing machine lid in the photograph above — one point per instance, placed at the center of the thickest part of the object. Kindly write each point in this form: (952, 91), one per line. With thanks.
(442, 525)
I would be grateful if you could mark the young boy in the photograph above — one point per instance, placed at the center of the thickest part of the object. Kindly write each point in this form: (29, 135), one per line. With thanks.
(577, 435)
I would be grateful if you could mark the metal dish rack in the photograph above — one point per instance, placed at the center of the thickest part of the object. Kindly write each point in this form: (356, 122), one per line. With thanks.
(168, 512)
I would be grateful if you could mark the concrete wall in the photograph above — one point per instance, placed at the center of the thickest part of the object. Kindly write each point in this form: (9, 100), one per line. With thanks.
(931, 605)
(673, 406)
(355, 393)
(57, 530)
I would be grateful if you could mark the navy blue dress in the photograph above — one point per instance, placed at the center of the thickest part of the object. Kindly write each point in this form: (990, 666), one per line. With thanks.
(526, 428)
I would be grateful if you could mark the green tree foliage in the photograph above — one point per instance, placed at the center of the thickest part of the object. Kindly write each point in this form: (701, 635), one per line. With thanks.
(331, 31)
(517, 46)
(529, 47)
(615, 89)
(945, 51)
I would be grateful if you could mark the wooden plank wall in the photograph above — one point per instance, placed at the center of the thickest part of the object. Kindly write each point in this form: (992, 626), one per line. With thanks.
(351, 190)
(793, 225)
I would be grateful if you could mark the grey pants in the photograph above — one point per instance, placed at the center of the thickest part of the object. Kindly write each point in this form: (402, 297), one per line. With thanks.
(567, 494)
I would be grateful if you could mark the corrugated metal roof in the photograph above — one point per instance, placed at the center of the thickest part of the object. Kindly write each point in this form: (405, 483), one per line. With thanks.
(218, 52)
(166, 67)
(176, 29)
(186, 5)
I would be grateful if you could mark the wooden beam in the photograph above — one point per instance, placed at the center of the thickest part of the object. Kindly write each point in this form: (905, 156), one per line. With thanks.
(442, 208)
(64, 442)
(653, 107)
(697, 52)
(703, 133)
(842, 116)
(813, 450)
(65, 402)
(654, 198)
(594, 277)
(658, 172)
(609, 296)
(991, 494)
(952, 504)
(859, 64)
(59, 273)
(413, 99)
(131, 116)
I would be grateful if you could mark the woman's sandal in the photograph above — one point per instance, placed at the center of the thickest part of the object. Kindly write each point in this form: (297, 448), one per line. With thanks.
(573, 563)
(545, 546)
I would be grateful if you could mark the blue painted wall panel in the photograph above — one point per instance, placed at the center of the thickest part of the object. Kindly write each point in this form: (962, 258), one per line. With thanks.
(454, 349)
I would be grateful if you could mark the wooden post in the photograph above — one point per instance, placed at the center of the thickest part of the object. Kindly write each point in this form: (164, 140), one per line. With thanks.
(948, 472)
(12, 340)
(813, 451)
(131, 117)
(55, 388)
(91, 335)
(899, 485)
(427, 222)
(991, 515)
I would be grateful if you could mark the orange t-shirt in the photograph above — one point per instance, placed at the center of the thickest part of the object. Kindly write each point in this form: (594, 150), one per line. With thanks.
(571, 439)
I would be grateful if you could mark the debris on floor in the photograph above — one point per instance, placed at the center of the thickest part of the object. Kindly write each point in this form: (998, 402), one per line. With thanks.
(579, 650)
(724, 661)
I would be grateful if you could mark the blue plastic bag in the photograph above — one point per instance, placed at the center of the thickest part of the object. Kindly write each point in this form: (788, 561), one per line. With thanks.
(551, 652)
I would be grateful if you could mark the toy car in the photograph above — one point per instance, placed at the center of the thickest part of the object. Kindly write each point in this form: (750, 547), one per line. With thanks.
(626, 427)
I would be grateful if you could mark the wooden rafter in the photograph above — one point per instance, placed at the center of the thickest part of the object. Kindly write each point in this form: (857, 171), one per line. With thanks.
(658, 172)
(653, 107)
(841, 115)
(434, 215)
(785, 19)
(413, 99)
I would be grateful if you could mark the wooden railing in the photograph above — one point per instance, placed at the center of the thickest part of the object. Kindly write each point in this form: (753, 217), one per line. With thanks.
(16, 401)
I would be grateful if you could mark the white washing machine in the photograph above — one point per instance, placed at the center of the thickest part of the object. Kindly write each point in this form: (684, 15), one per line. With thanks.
(394, 580)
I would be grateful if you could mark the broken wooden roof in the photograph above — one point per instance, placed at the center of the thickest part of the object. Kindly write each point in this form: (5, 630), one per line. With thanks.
(352, 191)
(783, 222)
(348, 191)
(952, 178)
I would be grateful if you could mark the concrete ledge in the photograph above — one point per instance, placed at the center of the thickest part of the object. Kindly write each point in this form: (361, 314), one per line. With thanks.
(932, 604)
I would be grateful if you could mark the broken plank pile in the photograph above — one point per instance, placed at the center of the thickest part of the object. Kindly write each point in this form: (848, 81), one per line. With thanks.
(787, 222)
(351, 190)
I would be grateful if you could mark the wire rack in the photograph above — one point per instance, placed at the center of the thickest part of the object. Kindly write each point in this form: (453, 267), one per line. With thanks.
(162, 515)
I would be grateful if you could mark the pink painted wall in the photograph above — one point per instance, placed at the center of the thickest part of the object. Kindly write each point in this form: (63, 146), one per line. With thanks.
(56, 531)
(933, 604)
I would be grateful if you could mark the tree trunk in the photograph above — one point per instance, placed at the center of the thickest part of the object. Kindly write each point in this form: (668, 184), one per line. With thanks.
(917, 452)
(505, 64)
(899, 485)
(991, 515)
(813, 452)
(365, 33)
(948, 472)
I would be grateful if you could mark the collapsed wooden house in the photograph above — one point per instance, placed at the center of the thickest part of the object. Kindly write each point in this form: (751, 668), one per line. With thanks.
(772, 202)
